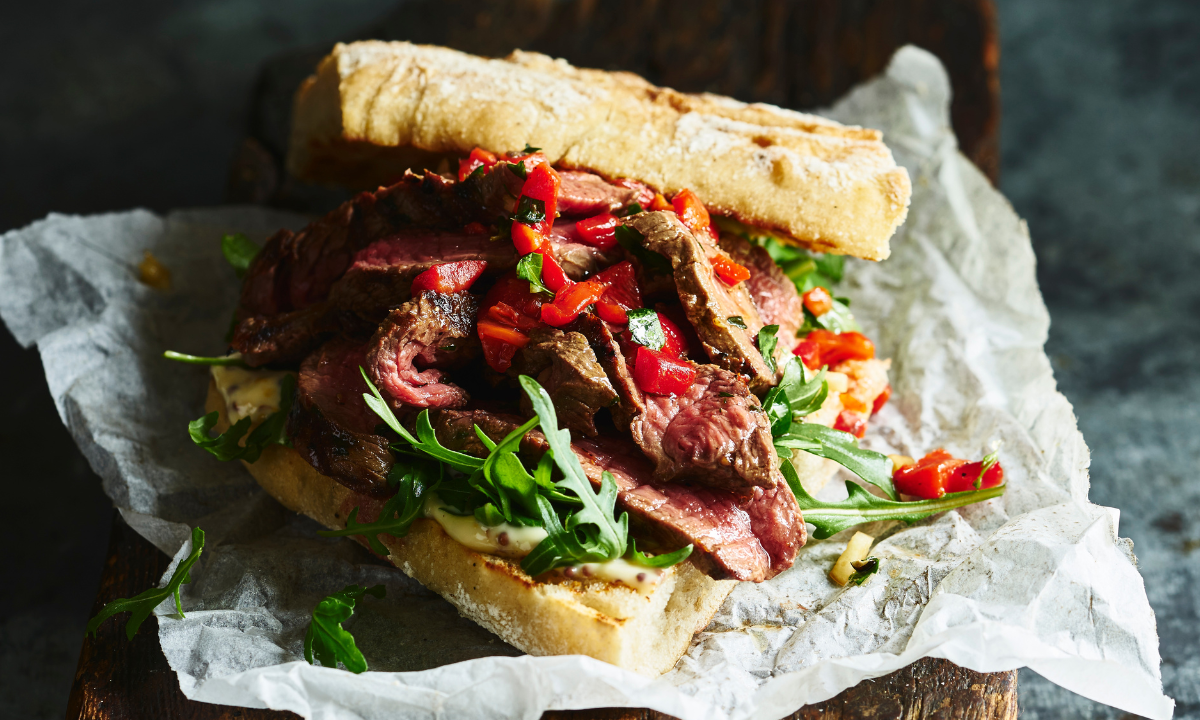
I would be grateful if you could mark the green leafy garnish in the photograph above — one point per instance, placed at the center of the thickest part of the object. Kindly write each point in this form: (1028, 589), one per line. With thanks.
(234, 360)
(631, 209)
(239, 252)
(767, 341)
(518, 169)
(861, 506)
(737, 321)
(863, 570)
(530, 211)
(646, 329)
(326, 640)
(529, 267)
(529, 149)
(658, 561)
(415, 478)
(143, 604)
(989, 461)
(592, 533)
(794, 397)
(426, 441)
(838, 319)
(652, 262)
(228, 445)
(842, 448)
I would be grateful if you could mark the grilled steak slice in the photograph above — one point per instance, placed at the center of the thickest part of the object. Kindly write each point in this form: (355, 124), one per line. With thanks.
(286, 337)
(602, 339)
(330, 425)
(751, 539)
(295, 270)
(584, 194)
(714, 434)
(433, 330)
(708, 300)
(773, 292)
(565, 365)
(578, 260)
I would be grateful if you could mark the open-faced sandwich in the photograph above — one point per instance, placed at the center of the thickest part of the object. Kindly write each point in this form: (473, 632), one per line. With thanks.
(568, 361)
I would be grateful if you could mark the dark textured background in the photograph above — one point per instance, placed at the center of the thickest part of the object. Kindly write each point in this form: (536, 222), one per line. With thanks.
(107, 107)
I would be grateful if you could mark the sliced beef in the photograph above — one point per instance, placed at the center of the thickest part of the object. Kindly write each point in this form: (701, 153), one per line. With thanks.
(714, 434)
(708, 300)
(286, 337)
(773, 292)
(567, 368)
(752, 539)
(434, 330)
(601, 336)
(330, 425)
(295, 270)
(584, 194)
(578, 260)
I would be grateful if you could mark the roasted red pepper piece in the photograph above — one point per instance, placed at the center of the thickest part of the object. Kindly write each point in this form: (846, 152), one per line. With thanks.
(526, 239)
(926, 478)
(599, 232)
(449, 277)
(553, 276)
(514, 292)
(621, 293)
(570, 301)
(660, 374)
(818, 301)
(676, 344)
(508, 310)
(853, 422)
(963, 478)
(881, 399)
(822, 347)
(729, 271)
(660, 203)
(542, 183)
(693, 214)
(476, 159)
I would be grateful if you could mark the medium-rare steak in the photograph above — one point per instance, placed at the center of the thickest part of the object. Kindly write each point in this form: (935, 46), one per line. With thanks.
(773, 292)
(584, 194)
(564, 364)
(330, 425)
(713, 434)
(708, 300)
(434, 330)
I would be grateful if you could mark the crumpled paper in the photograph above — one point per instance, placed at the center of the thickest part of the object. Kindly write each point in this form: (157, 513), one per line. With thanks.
(1037, 578)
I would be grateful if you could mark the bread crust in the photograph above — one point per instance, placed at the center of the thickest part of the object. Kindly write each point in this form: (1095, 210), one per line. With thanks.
(374, 108)
(606, 621)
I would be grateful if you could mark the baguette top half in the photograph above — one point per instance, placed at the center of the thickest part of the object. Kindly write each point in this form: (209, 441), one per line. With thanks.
(374, 108)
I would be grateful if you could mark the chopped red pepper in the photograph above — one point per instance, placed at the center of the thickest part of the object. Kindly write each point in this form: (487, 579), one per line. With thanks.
(676, 344)
(514, 292)
(477, 158)
(729, 271)
(852, 421)
(599, 232)
(660, 203)
(939, 472)
(570, 301)
(822, 347)
(542, 183)
(509, 309)
(553, 276)
(612, 312)
(503, 333)
(526, 239)
(881, 399)
(693, 214)
(818, 301)
(449, 277)
(853, 404)
(660, 374)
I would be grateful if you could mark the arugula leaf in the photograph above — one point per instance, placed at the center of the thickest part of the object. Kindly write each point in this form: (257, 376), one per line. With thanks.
(530, 211)
(838, 319)
(327, 640)
(592, 533)
(646, 329)
(529, 267)
(228, 445)
(143, 604)
(239, 252)
(529, 149)
(518, 169)
(989, 461)
(426, 441)
(653, 263)
(737, 321)
(863, 507)
(842, 448)
(658, 561)
(863, 570)
(235, 359)
(508, 479)
(415, 479)
(630, 209)
(794, 397)
(832, 266)
(767, 341)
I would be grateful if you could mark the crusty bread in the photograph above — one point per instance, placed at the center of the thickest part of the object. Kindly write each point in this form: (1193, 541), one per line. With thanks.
(375, 108)
(610, 622)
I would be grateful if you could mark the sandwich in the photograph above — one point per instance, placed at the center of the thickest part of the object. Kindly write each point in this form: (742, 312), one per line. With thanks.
(572, 358)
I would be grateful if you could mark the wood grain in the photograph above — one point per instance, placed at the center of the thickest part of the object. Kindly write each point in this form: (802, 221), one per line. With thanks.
(122, 680)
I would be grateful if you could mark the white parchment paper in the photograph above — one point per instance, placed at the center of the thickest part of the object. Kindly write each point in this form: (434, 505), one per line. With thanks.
(1037, 578)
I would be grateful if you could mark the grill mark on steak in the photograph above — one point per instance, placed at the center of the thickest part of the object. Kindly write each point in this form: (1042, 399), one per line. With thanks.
(707, 300)
(724, 530)
(435, 330)
(330, 425)
(714, 434)
(600, 335)
(565, 365)
(773, 292)
(289, 336)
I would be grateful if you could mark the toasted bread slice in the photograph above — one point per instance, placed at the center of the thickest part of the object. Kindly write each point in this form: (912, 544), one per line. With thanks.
(646, 633)
(375, 108)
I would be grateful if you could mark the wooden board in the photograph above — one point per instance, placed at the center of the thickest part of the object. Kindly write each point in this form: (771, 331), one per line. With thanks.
(119, 679)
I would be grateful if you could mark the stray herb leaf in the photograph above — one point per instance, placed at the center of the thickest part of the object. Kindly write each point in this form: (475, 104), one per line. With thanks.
(415, 478)
(664, 560)
(767, 341)
(228, 445)
(143, 604)
(842, 448)
(326, 640)
(530, 211)
(737, 321)
(631, 209)
(529, 149)
(239, 252)
(863, 570)
(653, 263)
(234, 360)
(518, 169)
(529, 267)
(646, 329)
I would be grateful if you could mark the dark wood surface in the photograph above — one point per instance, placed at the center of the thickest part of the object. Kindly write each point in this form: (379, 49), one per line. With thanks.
(122, 680)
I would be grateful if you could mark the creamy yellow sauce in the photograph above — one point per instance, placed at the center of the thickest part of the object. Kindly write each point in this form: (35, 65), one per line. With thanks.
(517, 541)
(248, 393)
